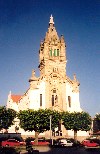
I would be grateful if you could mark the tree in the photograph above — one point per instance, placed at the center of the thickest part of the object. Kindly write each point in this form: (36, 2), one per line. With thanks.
(7, 117)
(76, 121)
(38, 120)
(97, 121)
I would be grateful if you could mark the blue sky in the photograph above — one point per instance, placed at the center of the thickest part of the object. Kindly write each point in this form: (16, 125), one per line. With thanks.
(23, 24)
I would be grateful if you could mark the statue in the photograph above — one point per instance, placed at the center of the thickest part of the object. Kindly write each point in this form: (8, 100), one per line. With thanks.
(51, 20)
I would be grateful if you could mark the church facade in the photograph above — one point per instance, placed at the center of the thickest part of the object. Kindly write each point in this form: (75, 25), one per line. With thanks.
(53, 89)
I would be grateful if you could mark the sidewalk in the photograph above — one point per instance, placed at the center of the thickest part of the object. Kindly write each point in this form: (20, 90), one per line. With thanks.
(38, 148)
(34, 151)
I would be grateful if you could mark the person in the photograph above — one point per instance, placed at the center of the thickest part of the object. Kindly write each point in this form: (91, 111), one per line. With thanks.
(29, 147)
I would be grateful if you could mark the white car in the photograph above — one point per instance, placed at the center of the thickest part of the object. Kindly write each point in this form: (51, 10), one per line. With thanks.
(65, 142)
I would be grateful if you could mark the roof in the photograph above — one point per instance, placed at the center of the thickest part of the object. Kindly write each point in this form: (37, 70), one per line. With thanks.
(16, 98)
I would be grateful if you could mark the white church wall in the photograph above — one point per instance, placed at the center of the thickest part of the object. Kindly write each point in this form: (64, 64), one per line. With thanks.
(12, 105)
(75, 103)
(42, 91)
(15, 106)
(33, 99)
(69, 93)
(34, 96)
(79, 133)
(24, 102)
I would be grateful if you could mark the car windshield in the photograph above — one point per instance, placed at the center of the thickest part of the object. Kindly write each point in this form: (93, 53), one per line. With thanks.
(68, 141)
(12, 140)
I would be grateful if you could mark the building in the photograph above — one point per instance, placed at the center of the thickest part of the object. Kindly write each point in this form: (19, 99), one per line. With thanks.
(53, 89)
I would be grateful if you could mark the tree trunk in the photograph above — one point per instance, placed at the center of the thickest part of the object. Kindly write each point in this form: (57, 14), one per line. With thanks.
(36, 137)
(75, 135)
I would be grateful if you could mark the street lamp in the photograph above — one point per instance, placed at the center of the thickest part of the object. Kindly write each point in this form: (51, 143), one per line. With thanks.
(50, 129)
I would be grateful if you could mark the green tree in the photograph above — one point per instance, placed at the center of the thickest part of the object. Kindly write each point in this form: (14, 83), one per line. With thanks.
(76, 121)
(7, 117)
(97, 119)
(38, 120)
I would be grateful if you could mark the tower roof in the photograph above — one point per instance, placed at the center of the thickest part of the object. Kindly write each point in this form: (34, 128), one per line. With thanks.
(51, 34)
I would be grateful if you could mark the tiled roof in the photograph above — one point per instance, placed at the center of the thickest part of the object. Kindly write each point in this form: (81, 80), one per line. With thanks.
(16, 98)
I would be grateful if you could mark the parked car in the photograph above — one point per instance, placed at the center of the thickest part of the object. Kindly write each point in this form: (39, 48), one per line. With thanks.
(89, 143)
(96, 141)
(22, 142)
(11, 142)
(41, 142)
(75, 143)
(64, 142)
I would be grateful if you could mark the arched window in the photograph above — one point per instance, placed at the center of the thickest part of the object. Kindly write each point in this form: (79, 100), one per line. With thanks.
(40, 99)
(54, 52)
(57, 52)
(69, 101)
(50, 52)
(52, 100)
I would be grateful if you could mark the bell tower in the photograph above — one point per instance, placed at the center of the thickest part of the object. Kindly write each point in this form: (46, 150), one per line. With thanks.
(52, 66)
(52, 52)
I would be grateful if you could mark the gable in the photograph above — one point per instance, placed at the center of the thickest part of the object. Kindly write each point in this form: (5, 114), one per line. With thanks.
(16, 98)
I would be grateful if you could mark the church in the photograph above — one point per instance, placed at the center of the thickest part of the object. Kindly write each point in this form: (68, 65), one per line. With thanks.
(53, 89)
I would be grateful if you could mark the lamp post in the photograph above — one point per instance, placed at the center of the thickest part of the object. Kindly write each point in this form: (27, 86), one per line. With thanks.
(50, 129)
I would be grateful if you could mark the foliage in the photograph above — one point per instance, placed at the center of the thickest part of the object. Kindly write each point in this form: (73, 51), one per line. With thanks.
(97, 116)
(6, 117)
(38, 120)
(97, 119)
(76, 121)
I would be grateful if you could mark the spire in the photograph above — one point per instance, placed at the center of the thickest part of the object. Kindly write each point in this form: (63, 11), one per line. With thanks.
(33, 78)
(51, 20)
(10, 92)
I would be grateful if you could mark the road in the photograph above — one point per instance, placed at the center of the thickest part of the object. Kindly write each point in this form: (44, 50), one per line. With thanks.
(73, 151)
(53, 150)
(69, 151)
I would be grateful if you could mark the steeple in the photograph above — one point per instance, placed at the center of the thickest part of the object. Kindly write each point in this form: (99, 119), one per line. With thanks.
(52, 51)
(51, 34)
